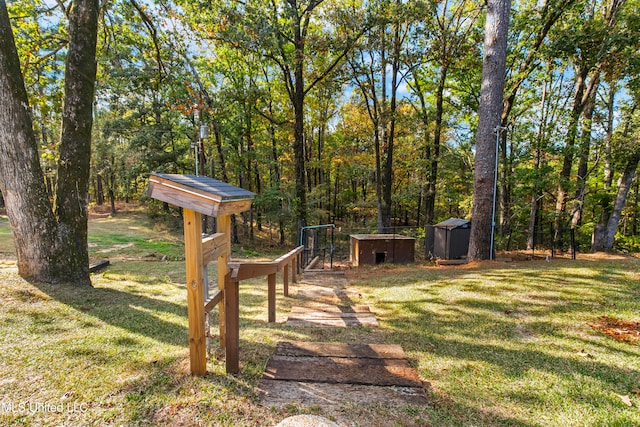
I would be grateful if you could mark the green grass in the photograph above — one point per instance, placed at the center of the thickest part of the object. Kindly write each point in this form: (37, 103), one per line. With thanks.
(511, 344)
(6, 244)
(498, 344)
(132, 236)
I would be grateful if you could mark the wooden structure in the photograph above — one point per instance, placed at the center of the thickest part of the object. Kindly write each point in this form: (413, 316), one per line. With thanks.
(331, 374)
(381, 248)
(199, 195)
(288, 264)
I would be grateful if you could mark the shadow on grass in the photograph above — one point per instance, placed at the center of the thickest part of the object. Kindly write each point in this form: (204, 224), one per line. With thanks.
(513, 321)
(135, 313)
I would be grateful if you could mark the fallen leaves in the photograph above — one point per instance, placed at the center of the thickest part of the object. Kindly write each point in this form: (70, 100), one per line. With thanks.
(619, 330)
(625, 399)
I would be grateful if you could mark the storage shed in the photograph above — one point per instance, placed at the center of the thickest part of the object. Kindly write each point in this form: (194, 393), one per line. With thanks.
(451, 238)
(381, 248)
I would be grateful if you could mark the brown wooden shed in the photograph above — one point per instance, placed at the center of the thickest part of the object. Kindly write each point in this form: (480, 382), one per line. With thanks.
(375, 249)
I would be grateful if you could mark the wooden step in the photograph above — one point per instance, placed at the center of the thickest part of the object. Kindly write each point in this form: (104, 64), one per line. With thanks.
(333, 374)
(331, 316)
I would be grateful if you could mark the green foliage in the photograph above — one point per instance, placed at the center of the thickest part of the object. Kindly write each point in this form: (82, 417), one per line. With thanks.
(627, 244)
(159, 62)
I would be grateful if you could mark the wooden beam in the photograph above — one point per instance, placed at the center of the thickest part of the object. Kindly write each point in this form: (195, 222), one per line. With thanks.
(97, 266)
(286, 258)
(214, 300)
(224, 228)
(213, 247)
(294, 270)
(195, 291)
(271, 297)
(250, 270)
(232, 324)
(285, 280)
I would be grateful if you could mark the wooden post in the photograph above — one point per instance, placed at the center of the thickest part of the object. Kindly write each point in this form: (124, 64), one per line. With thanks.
(271, 296)
(195, 291)
(285, 279)
(232, 323)
(294, 269)
(224, 226)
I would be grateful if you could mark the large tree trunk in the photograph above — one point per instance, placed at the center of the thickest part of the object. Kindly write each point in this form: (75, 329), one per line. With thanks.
(489, 113)
(604, 235)
(387, 182)
(72, 194)
(49, 248)
(32, 221)
(604, 232)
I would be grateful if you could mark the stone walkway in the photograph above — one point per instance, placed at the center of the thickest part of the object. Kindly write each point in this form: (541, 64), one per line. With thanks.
(332, 374)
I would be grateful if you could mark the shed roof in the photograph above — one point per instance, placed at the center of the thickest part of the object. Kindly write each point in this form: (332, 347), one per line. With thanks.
(452, 223)
(199, 193)
(380, 237)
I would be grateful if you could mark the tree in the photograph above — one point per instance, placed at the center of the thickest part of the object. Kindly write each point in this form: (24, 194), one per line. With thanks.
(453, 38)
(604, 233)
(529, 40)
(284, 33)
(50, 240)
(489, 113)
(589, 49)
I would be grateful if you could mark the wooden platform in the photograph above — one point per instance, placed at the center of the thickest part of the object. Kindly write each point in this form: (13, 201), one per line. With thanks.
(332, 374)
(324, 315)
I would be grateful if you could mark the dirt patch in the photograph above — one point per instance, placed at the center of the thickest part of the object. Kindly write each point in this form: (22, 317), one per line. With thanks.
(104, 211)
(619, 330)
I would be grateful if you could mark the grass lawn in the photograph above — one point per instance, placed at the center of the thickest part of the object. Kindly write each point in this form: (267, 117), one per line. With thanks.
(499, 344)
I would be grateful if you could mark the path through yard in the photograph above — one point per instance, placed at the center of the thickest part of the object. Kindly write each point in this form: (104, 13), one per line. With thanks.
(332, 374)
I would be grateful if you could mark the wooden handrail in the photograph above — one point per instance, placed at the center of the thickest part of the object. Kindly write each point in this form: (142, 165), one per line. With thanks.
(249, 270)
(286, 258)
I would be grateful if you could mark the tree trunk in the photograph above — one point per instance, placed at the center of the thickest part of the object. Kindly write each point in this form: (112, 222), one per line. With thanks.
(298, 96)
(504, 185)
(432, 178)
(72, 194)
(535, 193)
(99, 190)
(567, 163)
(21, 180)
(583, 163)
(605, 202)
(387, 182)
(112, 185)
(604, 235)
(49, 249)
(489, 113)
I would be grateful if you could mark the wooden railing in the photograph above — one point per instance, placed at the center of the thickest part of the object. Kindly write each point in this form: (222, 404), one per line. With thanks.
(226, 297)
(287, 263)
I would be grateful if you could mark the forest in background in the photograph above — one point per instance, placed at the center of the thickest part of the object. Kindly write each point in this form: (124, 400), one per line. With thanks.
(357, 112)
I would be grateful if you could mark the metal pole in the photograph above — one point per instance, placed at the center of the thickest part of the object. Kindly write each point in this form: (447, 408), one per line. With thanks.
(498, 130)
(195, 149)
